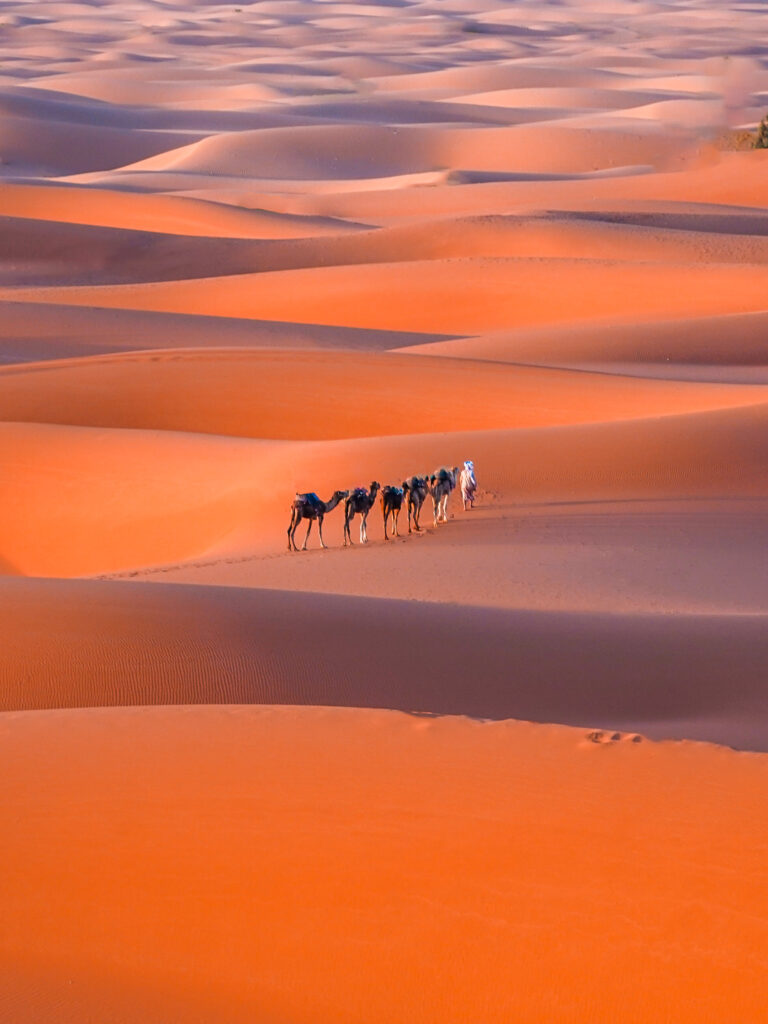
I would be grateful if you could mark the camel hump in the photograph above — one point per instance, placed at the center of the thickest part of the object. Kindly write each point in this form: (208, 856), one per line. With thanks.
(310, 498)
(359, 492)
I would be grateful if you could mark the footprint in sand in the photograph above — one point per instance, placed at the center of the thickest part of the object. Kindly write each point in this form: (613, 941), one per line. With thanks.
(606, 738)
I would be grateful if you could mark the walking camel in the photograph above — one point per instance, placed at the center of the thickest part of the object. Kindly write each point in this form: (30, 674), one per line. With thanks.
(442, 482)
(359, 502)
(310, 507)
(416, 489)
(391, 503)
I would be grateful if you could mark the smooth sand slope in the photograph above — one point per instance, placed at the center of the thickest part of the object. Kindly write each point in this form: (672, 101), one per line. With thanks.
(252, 250)
(721, 348)
(458, 296)
(277, 395)
(289, 864)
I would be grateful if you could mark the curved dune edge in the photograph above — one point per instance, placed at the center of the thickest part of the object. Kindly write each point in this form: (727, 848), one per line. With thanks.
(32, 332)
(722, 179)
(113, 644)
(35, 251)
(657, 347)
(175, 215)
(305, 864)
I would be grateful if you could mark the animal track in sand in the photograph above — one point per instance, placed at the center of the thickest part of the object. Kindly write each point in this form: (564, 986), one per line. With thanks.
(608, 738)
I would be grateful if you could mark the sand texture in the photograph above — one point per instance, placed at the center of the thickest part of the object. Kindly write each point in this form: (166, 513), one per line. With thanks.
(512, 767)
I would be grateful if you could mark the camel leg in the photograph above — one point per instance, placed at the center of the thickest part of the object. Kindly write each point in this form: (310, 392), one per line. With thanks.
(291, 530)
(363, 538)
(347, 534)
(386, 517)
(309, 528)
(320, 531)
(435, 510)
(395, 515)
(408, 510)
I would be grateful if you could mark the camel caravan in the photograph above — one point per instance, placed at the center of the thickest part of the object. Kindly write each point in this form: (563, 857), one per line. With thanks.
(413, 493)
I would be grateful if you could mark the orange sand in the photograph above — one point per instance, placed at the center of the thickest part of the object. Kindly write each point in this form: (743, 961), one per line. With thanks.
(249, 251)
(241, 863)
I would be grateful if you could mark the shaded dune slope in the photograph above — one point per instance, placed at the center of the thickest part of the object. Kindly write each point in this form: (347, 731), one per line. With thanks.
(190, 645)
(31, 332)
(659, 348)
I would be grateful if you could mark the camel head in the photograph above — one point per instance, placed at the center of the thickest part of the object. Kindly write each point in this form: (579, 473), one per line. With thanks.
(336, 498)
(375, 487)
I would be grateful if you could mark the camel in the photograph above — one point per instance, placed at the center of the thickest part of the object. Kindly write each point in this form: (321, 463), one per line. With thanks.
(359, 501)
(416, 489)
(442, 482)
(310, 507)
(391, 503)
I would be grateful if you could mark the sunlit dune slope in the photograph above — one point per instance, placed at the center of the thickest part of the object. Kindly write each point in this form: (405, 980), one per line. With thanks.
(449, 296)
(88, 500)
(300, 395)
(147, 212)
(245, 863)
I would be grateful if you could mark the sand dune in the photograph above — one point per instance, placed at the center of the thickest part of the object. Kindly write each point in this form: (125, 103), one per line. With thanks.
(726, 345)
(466, 295)
(735, 179)
(166, 826)
(46, 146)
(208, 645)
(334, 394)
(54, 252)
(171, 497)
(675, 555)
(336, 151)
(31, 332)
(172, 214)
